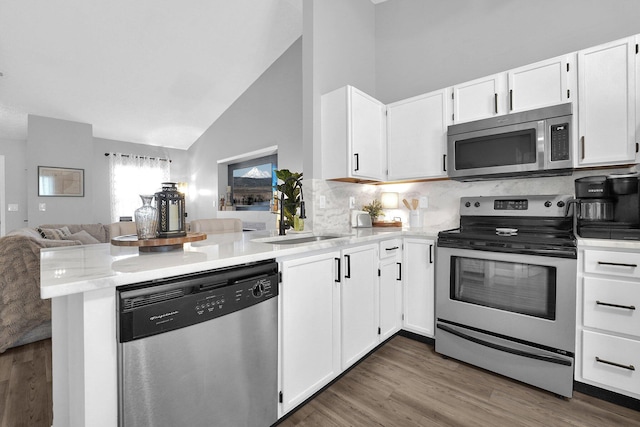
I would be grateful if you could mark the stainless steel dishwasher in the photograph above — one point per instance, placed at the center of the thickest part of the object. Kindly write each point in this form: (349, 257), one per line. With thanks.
(200, 350)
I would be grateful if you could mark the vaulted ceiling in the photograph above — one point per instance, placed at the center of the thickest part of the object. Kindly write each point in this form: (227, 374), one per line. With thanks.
(156, 72)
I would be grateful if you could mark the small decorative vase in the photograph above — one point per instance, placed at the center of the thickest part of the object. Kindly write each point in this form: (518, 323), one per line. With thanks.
(146, 219)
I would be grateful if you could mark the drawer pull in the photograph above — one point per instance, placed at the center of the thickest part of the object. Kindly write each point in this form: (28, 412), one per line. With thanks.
(391, 249)
(618, 365)
(617, 264)
(628, 307)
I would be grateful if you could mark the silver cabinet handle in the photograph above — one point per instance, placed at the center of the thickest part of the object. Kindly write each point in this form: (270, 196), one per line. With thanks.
(628, 307)
(618, 365)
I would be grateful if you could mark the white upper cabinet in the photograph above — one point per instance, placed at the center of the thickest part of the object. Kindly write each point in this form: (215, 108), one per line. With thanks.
(417, 136)
(479, 98)
(353, 136)
(607, 103)
(542, 84)
(532, 86)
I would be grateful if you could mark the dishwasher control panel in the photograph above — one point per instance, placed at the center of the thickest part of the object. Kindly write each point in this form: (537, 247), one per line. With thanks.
(156, 307)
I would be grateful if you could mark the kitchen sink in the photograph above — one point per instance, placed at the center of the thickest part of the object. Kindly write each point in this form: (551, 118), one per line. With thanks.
(296, 240)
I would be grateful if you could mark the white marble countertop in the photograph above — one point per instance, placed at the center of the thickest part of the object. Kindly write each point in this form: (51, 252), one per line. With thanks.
(77, 269)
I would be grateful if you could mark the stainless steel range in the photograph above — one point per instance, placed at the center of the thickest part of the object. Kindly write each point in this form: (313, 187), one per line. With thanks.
(506, 289)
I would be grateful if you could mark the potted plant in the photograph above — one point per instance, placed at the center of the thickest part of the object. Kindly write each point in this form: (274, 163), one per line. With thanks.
(291, 187)
(374, 209)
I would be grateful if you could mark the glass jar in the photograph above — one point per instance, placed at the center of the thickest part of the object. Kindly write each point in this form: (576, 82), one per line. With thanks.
(146, 218)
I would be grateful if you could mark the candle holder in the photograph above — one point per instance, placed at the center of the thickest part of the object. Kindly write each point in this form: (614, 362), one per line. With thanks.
(171, 211)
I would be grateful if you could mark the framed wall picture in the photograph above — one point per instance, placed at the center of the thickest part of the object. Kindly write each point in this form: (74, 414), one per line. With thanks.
(60, 182)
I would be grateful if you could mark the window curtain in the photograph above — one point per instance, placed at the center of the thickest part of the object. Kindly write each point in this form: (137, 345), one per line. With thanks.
(129, 177)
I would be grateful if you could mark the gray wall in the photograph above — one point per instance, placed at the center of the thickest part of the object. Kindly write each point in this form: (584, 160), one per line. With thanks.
(424, 45)
(15, 166)
(339, 50)
(268, 113)
(53, 142)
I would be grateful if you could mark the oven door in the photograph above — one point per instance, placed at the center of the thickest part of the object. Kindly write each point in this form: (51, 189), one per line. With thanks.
(520, 297)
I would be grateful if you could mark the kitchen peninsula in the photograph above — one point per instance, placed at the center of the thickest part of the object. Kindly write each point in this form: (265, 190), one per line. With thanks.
(81, 282)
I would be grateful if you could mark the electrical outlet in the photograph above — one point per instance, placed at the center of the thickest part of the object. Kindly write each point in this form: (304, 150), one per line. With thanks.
(424, 202)
(352, 202)
(42, 207)
(322, 202)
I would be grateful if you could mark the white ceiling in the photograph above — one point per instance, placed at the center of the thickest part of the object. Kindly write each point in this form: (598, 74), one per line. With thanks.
(156, 72)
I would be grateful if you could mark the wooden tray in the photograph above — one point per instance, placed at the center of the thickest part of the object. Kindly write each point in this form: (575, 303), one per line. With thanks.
(160, 244)
(387, 224)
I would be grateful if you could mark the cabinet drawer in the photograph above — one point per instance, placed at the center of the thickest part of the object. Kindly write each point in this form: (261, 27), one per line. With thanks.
(612, 263)
(612, 305)
(611, 361)
(390, 248)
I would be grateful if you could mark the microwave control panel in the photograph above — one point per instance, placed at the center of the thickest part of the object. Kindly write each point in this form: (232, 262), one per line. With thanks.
(560, 146)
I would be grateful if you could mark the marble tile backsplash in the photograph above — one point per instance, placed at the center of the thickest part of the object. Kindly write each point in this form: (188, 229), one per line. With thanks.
(443, 197)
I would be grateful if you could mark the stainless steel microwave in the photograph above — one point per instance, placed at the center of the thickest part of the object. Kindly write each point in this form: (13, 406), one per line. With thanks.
(530, 143)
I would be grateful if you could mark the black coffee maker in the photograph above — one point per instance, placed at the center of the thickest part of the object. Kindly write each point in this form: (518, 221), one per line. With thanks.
(608, 207)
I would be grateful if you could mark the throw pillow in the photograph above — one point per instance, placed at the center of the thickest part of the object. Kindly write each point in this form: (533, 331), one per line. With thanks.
(54, 233)
(82, 236)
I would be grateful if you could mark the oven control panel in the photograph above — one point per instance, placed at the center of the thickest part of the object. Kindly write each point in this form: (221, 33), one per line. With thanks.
(538, 205)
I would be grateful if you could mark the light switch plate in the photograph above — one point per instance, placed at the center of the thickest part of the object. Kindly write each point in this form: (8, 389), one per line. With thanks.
(352, 202)
(12, 207)
(42, 207)
(322, 201)
(424, 202)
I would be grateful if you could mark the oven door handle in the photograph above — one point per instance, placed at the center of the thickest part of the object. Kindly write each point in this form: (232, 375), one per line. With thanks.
(499, 347)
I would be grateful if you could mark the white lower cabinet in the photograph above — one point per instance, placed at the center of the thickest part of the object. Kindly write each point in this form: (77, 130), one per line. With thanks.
(390, 311)
(359, 303)
(309, 327)
(419, 297)
(608, 321)
(336, 307)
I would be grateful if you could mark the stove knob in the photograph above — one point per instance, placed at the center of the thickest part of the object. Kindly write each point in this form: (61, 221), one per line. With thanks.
(547, 204)
(468, 204)
(561, 204)
(476, 204)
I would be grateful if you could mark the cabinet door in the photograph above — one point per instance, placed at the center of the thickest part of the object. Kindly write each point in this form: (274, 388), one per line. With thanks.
(359, 303)
(418, 281)
(417, 136)
(606, 105)
(353, 136)
(368, 141)
(310, 340)
(541, 84)
(479, 99)
(390, 297)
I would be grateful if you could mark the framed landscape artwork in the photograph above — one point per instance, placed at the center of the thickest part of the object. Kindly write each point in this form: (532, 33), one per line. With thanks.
(60, 182)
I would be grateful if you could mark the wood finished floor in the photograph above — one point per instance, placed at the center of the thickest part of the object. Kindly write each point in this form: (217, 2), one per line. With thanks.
(404, 383)
(25, 386)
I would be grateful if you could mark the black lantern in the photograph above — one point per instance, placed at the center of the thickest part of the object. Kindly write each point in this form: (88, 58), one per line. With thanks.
(171, 212)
